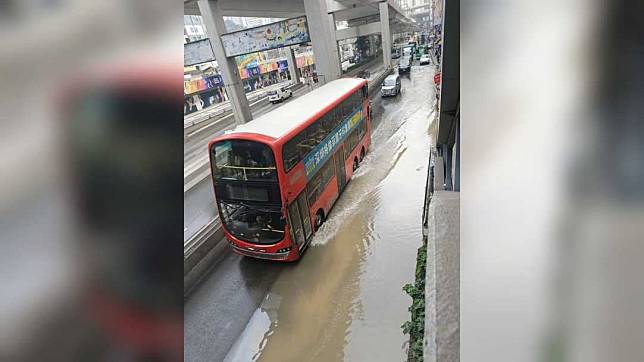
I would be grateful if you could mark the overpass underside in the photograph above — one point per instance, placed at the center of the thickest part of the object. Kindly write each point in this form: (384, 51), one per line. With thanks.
(357, 18)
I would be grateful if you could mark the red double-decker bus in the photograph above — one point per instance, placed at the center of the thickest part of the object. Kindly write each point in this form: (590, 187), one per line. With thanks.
(277, 177)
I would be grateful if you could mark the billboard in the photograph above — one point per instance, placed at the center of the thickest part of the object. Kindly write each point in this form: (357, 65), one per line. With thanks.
(275, 35)
(197, 52)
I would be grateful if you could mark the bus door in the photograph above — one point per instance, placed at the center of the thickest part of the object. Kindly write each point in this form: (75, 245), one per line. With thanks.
(304, 214)
(300, 221)
(339, 170)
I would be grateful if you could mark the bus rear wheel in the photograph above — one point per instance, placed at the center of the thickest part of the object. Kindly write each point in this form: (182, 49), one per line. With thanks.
(355, 164)
(362, 153)
(319, 219)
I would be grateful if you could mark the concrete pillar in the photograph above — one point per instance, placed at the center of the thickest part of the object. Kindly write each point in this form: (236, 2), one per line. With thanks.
(215, 27)
(385, 33)
(325, 47)
(292, 65)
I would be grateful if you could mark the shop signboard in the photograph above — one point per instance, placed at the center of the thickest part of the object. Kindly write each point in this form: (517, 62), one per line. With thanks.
(275, 35)
(253, 71)
(214, 81)
(250, 60)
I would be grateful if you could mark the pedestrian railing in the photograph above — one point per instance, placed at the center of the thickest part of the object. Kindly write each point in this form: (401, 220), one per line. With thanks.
(429, 188)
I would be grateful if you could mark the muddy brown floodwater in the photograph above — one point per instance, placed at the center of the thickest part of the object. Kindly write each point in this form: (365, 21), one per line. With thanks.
(343, 300)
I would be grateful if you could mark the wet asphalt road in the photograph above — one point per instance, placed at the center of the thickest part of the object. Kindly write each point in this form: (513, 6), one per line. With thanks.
(343, 299)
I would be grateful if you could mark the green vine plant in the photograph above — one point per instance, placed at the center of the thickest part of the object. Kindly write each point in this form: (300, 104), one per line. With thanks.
(416, 326)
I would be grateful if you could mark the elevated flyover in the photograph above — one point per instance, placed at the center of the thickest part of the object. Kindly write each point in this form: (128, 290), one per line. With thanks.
(362, 17)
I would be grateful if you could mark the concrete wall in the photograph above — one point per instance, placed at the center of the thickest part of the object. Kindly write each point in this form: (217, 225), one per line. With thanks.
(442, 275)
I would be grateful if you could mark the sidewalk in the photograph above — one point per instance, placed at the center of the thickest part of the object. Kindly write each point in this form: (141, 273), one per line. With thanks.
(442, 274)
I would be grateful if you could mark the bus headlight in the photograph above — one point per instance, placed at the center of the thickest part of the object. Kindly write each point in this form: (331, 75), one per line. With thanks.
(284, 250)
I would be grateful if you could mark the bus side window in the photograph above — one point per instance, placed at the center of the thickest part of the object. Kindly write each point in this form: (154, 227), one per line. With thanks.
(352, 140)
(319, 132)
(290, 156)
(304, 145)
(327, 122)
(312, 190)
(356, 100)
(362, 129)
(294, 151)
(328, 171)
(344, 109)
(320, 181)
(312, 136)
(337, 116)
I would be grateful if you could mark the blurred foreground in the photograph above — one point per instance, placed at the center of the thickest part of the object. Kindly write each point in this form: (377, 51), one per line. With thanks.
(552, 198)
(90, 196)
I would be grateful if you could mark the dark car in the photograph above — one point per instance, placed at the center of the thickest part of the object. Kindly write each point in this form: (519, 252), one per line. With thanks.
(404, 66)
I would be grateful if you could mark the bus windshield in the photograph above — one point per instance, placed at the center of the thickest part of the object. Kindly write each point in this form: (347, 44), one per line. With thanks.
(247, 190)
(253, 223)
(243, 160)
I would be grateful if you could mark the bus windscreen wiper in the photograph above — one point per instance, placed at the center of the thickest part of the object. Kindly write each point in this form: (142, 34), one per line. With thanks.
(251, 207)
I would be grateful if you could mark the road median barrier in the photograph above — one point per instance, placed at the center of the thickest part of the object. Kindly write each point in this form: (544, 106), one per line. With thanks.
(200, 253)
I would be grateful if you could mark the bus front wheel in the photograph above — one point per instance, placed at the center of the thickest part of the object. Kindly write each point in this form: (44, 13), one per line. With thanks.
(319, 219)
(362, 153)
(355, 164)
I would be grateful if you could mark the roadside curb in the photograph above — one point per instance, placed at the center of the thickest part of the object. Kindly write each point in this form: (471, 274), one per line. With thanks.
(209, 247)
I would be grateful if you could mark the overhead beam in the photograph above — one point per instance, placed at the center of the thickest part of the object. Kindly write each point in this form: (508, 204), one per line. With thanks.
(427, 5)
(363, 20)
(362, 30)
(335, 6)
(252, 8)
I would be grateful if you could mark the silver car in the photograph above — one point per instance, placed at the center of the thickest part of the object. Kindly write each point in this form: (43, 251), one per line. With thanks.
(390, 86)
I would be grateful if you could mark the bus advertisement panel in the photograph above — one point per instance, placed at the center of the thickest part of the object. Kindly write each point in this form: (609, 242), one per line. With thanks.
(318, 156)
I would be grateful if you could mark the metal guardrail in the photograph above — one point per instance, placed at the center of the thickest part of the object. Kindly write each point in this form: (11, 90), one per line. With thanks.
(190, 245)
(429, 189)
(196, 118)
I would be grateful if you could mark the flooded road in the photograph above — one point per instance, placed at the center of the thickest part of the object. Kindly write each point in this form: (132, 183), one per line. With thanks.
(343, 300)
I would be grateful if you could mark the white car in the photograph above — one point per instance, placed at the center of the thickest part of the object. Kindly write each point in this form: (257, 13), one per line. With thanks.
(279, 95)
(424, 59)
